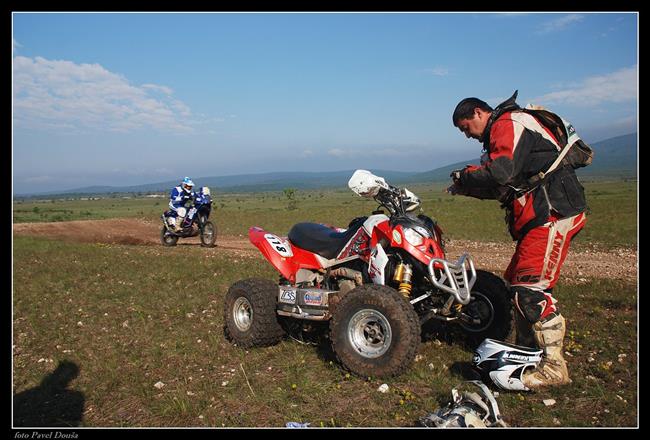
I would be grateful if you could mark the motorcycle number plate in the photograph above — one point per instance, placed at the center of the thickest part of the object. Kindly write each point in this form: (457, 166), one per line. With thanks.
(288, 296)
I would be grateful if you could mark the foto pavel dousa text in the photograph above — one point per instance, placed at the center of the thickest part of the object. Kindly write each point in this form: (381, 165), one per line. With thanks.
(46, 435)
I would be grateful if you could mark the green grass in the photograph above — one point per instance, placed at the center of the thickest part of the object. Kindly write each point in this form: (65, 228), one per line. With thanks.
(612, 221)
(131, 316)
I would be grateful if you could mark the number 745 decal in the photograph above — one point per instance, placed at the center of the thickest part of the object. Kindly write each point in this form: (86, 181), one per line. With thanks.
(281, 247)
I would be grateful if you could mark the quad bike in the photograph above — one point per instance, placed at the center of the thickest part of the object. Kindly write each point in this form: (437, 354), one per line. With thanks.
(195, 222)
(374, 283)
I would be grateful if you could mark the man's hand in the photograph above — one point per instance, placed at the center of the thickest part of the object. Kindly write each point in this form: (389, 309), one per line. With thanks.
(455, 176)
(455, 189)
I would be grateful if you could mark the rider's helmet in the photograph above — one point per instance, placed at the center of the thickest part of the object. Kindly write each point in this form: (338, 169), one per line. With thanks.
(187, 185)
(467, 409)
(505, 363)
(411, 201)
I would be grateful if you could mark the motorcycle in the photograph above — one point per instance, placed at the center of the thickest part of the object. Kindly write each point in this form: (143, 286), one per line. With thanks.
(375, 283)
(195, 222)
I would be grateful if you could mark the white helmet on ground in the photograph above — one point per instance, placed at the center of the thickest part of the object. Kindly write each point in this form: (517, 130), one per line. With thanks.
(505, 363)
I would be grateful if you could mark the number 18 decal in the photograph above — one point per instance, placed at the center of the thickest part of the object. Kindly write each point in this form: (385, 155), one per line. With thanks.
(279, 245)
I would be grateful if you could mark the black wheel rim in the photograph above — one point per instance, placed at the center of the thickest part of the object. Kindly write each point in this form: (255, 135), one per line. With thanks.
(478, 315)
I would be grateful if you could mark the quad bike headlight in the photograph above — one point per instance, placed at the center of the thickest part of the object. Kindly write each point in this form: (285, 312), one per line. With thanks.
(415, 236)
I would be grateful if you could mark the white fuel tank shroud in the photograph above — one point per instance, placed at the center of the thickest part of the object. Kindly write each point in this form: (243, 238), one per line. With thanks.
(377, 265)
(373, 221)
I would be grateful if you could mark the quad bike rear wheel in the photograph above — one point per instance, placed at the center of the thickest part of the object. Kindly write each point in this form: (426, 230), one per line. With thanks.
(249, 313)
(375, 332)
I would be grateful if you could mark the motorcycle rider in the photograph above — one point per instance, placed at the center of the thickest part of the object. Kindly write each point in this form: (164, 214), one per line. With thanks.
(178, 199)
(542, 219)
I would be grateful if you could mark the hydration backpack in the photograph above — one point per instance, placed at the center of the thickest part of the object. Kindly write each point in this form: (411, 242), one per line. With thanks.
(574, 151)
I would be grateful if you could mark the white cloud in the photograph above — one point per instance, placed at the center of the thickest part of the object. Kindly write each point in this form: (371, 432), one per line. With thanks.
(619, 86)
(438, 71)
(337, 152)
(163, 89)
(15, 44)
(59, 93)
(559, 24)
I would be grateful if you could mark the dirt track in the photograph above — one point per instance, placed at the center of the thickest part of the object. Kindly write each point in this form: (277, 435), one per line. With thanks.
(580, 265)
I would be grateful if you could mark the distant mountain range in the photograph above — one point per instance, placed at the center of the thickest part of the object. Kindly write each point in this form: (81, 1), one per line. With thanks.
(614, 158)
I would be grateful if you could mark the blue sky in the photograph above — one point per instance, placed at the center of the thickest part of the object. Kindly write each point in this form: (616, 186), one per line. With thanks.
(129, 98)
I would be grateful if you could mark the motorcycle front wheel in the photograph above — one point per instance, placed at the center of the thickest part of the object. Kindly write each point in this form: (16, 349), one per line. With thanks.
(208, 234)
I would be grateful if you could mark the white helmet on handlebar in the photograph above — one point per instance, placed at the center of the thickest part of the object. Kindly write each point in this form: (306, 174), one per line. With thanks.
(366, 184)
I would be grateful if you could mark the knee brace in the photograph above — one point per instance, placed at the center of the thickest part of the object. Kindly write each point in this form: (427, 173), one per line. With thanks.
(532, 304)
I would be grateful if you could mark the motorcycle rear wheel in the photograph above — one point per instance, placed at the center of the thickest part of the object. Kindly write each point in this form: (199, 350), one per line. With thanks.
(166, 238)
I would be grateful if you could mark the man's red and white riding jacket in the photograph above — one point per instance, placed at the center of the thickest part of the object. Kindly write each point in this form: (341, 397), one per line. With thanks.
(518, 147)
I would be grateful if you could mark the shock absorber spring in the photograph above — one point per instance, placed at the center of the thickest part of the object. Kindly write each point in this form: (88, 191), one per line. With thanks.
(403, 275)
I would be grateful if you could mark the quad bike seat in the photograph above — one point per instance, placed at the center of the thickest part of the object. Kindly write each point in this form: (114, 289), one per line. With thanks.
(321, 239)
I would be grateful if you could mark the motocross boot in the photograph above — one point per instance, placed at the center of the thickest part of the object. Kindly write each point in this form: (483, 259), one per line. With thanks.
(552, 370)
(178, 227)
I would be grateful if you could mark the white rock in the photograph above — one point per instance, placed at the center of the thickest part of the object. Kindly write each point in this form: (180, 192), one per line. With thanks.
(159, 385)
(549, 402)
(383, 388)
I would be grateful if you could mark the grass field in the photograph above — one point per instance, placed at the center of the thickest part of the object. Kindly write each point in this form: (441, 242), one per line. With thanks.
(612, 221)
(132, 336)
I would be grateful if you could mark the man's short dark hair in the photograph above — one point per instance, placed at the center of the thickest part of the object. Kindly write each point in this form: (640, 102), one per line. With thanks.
(465, 109)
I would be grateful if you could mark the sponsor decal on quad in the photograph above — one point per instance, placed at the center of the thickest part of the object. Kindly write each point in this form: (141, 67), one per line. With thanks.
(313, 298)
(288, 296)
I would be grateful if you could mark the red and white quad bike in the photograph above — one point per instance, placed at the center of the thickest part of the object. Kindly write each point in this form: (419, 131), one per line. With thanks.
(376, 282)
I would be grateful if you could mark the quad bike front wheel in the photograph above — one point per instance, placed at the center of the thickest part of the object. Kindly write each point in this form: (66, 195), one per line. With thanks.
(249, 313)
(208, 234)
(489, 312)
(166, 238)
(375, 332)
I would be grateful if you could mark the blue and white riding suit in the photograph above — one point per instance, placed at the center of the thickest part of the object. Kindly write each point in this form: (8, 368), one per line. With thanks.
(178, 199)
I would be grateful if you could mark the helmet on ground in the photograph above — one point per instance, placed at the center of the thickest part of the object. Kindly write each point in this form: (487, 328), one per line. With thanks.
(187, 184)
(505, 363)
(468, 409)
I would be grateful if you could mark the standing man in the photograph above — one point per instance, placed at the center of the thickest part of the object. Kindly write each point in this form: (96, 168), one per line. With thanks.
(542, 217)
